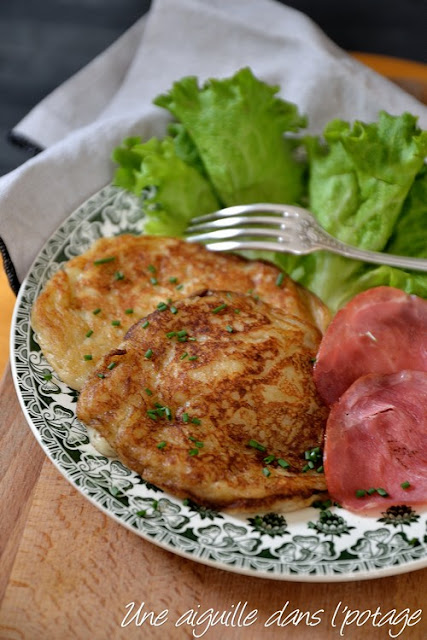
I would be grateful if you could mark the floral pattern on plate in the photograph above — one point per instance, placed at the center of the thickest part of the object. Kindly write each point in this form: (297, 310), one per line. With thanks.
(323, 543)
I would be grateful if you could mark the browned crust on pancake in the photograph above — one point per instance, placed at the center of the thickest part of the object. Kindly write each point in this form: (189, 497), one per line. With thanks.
(254, 383)
(63, 313)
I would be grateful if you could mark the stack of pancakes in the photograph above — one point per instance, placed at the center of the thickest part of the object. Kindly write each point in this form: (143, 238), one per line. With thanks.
(196, 367)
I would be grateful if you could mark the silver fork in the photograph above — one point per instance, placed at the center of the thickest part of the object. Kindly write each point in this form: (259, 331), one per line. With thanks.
(287, 229)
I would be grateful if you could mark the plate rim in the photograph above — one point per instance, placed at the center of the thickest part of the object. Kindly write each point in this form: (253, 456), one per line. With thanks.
(364, 574)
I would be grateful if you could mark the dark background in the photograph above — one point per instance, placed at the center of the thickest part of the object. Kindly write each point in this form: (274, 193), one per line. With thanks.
(44, 42)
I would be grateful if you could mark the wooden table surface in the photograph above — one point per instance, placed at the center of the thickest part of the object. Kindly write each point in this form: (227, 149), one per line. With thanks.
(67, 571)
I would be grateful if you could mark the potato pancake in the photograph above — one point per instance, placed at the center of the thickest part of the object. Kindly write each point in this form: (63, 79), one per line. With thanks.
(213, 399)
(86, 308)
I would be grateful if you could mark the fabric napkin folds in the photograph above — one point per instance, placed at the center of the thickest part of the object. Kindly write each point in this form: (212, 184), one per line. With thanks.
(81, 122)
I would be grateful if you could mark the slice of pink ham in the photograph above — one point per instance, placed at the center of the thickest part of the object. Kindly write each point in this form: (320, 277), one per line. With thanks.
(382, 330)
(376, 437)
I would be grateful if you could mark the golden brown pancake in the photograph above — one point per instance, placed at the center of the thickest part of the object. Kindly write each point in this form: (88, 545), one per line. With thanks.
(213, 402)
(86, 308)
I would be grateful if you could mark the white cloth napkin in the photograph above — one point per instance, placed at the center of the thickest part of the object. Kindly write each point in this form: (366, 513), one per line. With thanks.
(84, 119)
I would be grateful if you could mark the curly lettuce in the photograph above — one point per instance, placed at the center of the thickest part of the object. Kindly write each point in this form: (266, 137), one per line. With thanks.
(172, 191)
(234, 141)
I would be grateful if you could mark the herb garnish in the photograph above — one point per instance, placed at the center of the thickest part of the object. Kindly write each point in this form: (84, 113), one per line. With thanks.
(104, 260)
(220, 308)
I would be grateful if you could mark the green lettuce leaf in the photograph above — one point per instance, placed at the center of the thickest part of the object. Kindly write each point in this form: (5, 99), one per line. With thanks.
(409, 236)
(171, 190)
(360, 178)
(365, 183)
(238, 126)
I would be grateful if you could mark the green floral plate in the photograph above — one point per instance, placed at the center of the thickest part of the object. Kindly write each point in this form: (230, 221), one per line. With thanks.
(325, 543)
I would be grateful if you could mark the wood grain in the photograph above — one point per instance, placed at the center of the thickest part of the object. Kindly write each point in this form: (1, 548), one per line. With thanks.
(75, 569)
(21, 459)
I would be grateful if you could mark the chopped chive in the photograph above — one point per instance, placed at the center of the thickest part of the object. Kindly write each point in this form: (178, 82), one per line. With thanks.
(320, 469)
(193, 452)
(153, 281)
(168, 413)
(279, 279)
(115, 323)
(313, 360)
(151, 413)
(111, 365)
(405, 485)
(173, 279)
(360, 493)
(184, 355)
(192, 358)
(145, 324)
(162, 306)
(266, 472)
(196, 421)
(236, 310)
(47, 376)
(171, 334)
(104, 260)
(89, 333)
(148, 354)
(185, 417)
(269, 459)
(283, 463)
(142, 513)
(371, 491)
(115, 491)
(100, 375)
(173, 309)
(220, 308)
(192, 339)
(151, 268)
(228, 294)
(148, 392)
(179, 287)
(229, 328)
(128, 312)
(181, 333)
(169, 300)
(96, 311)
(162, 444)
(198, 444)
(87, 356)
(119, 275)
(305, 468)
(183, 339)
(256, 445)
(382, 492)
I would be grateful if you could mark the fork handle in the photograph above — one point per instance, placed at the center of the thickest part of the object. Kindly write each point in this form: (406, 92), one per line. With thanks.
(333, 245)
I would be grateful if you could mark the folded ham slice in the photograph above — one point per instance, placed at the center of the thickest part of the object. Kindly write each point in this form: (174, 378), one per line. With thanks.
(376, 438)
(382, 330)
